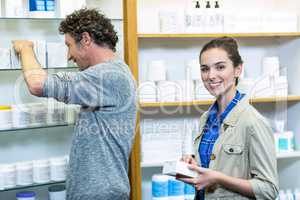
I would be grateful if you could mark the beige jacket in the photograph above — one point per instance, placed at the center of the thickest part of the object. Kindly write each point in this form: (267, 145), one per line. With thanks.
(245, 149)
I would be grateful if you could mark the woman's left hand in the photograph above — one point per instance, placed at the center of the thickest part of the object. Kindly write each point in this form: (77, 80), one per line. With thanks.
(206, 178)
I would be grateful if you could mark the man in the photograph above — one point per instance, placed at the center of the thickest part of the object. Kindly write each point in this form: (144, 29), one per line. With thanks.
(105, 89)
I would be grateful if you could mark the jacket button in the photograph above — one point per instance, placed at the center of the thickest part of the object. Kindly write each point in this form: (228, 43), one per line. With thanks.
(212, 156)
(231, 150)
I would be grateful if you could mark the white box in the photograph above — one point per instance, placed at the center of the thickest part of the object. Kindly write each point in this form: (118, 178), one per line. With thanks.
(174, 168)
(14, 8)
(40, 52)
(57, 54)
(5, 58)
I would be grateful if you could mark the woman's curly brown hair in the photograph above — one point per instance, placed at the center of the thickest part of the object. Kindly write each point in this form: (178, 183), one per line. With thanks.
(93, 22)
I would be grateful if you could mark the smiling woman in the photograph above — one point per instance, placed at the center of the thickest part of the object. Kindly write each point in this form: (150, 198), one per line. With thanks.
(234, 147)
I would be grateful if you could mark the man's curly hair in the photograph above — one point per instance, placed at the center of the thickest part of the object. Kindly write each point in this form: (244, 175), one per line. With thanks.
(93, 22)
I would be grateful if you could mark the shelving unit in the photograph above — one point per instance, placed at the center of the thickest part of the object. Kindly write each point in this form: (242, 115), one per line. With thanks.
(290, 98)
(213, 35)
(32, 186)
(146, 46)
(35, 127)
(52, 139)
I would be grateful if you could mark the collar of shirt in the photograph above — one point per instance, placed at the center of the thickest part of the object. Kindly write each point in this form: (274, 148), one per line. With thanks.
(213, 119)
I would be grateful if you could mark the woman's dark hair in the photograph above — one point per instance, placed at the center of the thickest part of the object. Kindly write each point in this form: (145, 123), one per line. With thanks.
(229, 45)
(93, 22)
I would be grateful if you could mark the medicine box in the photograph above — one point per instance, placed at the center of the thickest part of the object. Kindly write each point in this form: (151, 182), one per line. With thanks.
(180, 168)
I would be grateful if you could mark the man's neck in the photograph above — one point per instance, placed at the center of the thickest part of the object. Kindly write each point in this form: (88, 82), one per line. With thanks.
(100, 55)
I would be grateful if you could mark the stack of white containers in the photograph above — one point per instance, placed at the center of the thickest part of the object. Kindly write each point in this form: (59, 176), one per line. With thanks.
(37, 114)
(30, 172)
(147, 91)
(193, 73)
(167, 91)
(270, 84)
(5, 117)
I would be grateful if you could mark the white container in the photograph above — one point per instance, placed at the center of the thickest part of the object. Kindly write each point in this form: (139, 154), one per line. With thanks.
(185, 90)
(24, 173)
(57, 55)
(5, 117)
(41, 171)
(14, 8)
(160, 187)
(38, 112)
(9, 174)
(5, 57)
(297, 194)
(284, 142)
(21, 116)
(58, 168)
(1, 179)
(26, 195)
(270, 66)
(57, 192)
(166, 91)
(147, 91)
(176, 189)
(157, 71)
(193, 70)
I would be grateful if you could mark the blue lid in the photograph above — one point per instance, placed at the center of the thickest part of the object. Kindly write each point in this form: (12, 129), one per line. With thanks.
(25, 194)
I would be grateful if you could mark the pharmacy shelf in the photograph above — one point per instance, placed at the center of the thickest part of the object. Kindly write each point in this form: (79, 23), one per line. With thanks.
(45, 18)
(49, 68)
(290, 98)
(34, 127)
(31, 186)
(214, 35)
(154, 164)
(295, 154)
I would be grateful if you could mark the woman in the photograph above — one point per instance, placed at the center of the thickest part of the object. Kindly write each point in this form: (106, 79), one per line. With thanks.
(235, 146)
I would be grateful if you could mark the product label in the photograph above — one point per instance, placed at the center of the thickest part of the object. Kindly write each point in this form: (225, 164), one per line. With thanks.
(37, 5)
(283, 144)
(176, 188)
(159, 189)
(189, 189)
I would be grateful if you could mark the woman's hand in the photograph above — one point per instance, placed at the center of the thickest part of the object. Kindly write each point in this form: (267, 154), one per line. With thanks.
(206, 178)
(189, 159)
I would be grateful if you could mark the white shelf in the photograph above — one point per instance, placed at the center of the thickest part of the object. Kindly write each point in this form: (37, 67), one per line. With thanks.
(295, 154)
(156, 164)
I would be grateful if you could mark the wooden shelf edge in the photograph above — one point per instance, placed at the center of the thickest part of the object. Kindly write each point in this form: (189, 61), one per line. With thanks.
(210, 101)
(214, 35)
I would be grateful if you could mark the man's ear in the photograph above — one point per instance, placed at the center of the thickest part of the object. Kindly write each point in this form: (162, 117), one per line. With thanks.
(86, 39)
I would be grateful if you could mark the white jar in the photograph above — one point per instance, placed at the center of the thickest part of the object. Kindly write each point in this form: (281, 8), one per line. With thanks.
(58, 169)
(1, 178)
(41, 171)
(9, 174)
(21, 116)
(26, 195)
(5, 117)
(24, 173)
(57, 192)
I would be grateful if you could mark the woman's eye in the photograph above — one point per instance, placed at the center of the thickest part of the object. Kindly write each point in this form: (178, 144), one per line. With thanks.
(220, 67)
(204, 69)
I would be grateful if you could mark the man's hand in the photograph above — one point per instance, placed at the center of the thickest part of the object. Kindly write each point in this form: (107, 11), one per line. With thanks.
(22, 45)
